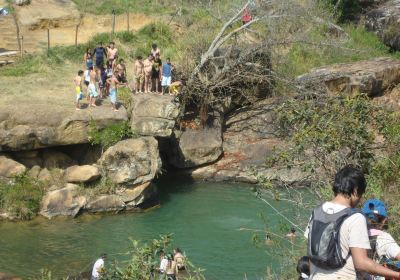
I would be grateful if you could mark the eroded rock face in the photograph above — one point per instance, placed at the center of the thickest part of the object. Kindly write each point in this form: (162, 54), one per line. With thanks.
(197, 147)
(35, 126)
(132, 161)
(82, 174)
(62, 202)
(154, 115)
(105, 203)
(10, 168)
(249, 138)
(372, 77)
(385, 22)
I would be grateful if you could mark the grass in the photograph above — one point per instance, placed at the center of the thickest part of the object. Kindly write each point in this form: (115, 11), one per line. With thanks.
(21, 197)
(101, 7)
(361, 44)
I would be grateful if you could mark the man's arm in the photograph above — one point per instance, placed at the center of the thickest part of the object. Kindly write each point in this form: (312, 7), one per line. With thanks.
(363, 263)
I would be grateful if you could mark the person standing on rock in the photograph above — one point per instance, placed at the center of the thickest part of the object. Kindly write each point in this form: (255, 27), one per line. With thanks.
(113, 82)
(92, 88)
(138, 71)
(78, 89)
(147, 68)
(156, 72)
(98, 267)
(99, 52)
(112, 52)
(166, 74)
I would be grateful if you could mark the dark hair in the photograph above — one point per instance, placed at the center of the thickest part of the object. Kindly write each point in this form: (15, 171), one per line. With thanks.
(303, 266)
(91, 68)
(162, 252)
(168, 58)
(112, 43)
(178, 250)
(292, 230)
(348, 180)
(87, 50)
(103, 256)
(154, 45)
(80, 72)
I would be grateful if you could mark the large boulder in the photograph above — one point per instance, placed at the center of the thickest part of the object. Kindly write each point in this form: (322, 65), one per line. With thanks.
(134, 197)
(82, 174)
(10, 168)
(105, 203)
(153, 115)
(249, 139)
(385, 22)
(197, 147)
(37, 126)
(63, 202)
(132, 161)
(372, 77)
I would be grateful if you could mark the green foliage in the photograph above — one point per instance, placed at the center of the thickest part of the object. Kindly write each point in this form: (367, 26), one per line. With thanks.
(326, 132)
(100, 7)
(343, 9)
(21, 197)
(110, 135)
(104, 186)
(28, 65)
(319, 50)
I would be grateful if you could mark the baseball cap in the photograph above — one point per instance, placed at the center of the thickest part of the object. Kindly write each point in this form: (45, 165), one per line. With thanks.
(374, 207)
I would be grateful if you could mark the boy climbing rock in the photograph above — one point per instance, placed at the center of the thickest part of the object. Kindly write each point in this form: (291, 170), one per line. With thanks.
(78, 88)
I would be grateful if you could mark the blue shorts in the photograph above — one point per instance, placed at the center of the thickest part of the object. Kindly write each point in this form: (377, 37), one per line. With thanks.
(113, 95)
(99, 63)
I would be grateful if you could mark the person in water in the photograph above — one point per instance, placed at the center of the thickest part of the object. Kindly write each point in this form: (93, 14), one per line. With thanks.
(171, 270)
(179, 258)
(292, 235)
(98, 267)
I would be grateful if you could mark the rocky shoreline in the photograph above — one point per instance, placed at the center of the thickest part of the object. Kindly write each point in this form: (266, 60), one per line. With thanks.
(54, 147)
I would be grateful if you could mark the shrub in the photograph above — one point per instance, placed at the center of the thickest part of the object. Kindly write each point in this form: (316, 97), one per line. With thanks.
(343, 9)
(109, 135)
(21, 197)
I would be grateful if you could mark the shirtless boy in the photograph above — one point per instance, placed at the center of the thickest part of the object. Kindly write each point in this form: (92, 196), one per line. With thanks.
(92, 88)
(138, 69)
(78, 88)
(112, 52)
(147, 68)
(113, 82)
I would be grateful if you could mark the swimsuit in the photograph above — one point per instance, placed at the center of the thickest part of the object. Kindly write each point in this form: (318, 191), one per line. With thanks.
(113, 95)
(79, 94)
(92, 90)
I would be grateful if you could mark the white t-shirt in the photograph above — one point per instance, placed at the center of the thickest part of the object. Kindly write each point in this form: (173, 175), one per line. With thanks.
(385, 244)
(163, 265)
(98, 265)
(353, 234)
(87, 76)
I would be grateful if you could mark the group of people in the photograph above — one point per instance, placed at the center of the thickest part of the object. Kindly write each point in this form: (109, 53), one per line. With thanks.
(106, 71)
(171, 264)
(347, 243)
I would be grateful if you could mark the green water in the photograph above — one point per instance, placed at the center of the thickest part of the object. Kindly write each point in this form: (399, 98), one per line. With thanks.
(204, 218)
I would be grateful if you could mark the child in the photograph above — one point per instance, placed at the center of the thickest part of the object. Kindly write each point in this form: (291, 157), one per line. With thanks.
(303, 268)
(92, 88)
(139, 74)
(113, 82)
(78, 89)
(103, 82)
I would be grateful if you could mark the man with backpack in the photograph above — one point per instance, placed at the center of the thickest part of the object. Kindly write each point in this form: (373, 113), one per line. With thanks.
(337, 233)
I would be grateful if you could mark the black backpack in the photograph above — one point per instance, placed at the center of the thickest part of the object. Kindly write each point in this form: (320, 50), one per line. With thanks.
(324, 248)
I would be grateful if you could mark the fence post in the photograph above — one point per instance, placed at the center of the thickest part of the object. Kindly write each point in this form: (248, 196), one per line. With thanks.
(48, 39)
(113, 23)
(127, 15)
(76, 35)
(22, 46)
